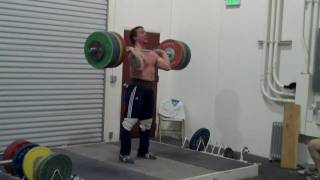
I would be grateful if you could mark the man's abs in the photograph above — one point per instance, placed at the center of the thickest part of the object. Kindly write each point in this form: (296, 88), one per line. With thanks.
(145, 74)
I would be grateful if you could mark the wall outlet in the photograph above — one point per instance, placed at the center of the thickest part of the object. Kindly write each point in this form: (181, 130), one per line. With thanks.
(113, 79)
(110, 135)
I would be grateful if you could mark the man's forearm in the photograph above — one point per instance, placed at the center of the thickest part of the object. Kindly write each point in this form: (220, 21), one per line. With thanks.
(166, 57)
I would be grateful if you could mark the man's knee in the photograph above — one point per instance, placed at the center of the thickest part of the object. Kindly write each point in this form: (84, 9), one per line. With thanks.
(145, 124)
(128, 123)
(314, 145)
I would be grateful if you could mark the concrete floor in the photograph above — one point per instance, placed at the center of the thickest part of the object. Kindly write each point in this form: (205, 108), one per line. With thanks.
(172, 163)
(162, 168)
(5, 177)
(98, 169)
(100, 162)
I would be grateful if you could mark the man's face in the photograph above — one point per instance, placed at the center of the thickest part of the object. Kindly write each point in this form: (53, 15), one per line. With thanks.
(141, 36)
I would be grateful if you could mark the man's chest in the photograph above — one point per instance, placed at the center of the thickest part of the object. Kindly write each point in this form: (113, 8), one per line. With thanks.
(149, 59)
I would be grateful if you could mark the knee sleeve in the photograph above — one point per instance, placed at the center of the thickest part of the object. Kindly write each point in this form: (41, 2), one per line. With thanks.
(145, 124)
(128, 123)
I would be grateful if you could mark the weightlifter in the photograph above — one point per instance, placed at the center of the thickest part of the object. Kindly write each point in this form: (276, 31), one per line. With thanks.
(139, 99)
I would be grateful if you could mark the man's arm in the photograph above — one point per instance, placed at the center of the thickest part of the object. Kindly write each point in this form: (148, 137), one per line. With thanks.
(135, 58)
(163, 61)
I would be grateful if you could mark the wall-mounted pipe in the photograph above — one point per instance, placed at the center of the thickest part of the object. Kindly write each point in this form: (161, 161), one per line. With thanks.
(278, 32)
(274, 28)
(268, 52)
(266, 55)
(307, 3)
(275, 56)
(275, 99)
(314, 29)
(310, 36)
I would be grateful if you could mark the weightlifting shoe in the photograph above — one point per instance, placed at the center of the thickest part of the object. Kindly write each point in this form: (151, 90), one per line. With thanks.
(147, 156)
(126, 159)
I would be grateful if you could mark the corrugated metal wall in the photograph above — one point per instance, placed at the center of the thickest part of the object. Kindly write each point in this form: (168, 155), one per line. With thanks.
(48, 92)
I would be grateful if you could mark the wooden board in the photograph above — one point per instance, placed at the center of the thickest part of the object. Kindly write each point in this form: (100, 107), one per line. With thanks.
(290, 136)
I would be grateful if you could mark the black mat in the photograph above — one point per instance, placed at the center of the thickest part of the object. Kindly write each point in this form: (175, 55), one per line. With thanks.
(272, 170)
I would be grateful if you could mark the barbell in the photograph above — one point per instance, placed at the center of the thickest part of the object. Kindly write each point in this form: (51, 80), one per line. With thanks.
(108, 49)
(25, 159)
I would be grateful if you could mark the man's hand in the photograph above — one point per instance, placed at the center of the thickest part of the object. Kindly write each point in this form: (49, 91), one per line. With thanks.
(160, 52)
(129, 49)
(163, 61)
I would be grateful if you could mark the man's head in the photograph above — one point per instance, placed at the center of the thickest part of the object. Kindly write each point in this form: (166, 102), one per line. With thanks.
(138, 35)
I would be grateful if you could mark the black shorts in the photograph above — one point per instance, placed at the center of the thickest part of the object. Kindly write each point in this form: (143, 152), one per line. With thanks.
(139, 99)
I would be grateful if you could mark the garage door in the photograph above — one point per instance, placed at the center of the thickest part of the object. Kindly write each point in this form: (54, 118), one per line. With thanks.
(48, 93)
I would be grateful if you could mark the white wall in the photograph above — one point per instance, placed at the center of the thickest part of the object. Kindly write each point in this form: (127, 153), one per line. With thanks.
(223, 78)
(221, 86)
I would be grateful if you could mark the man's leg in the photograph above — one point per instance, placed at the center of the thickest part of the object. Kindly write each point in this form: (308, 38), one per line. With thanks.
(132, 107)
(125, 139)
(145, 120)
(314, 149)
(145, 127)
(125, 135)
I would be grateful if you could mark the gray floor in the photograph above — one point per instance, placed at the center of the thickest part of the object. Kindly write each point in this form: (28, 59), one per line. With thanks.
(100, 161)
(172, 163)
(190, 157)
(162, 168)
(267, 170)
(5, 177)
(92, 169)
(95, 169)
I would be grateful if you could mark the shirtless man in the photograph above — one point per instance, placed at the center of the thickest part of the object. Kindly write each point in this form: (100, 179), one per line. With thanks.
(139, 94)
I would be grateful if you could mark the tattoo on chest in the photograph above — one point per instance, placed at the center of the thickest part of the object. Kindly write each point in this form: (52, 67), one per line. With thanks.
(135, 61)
